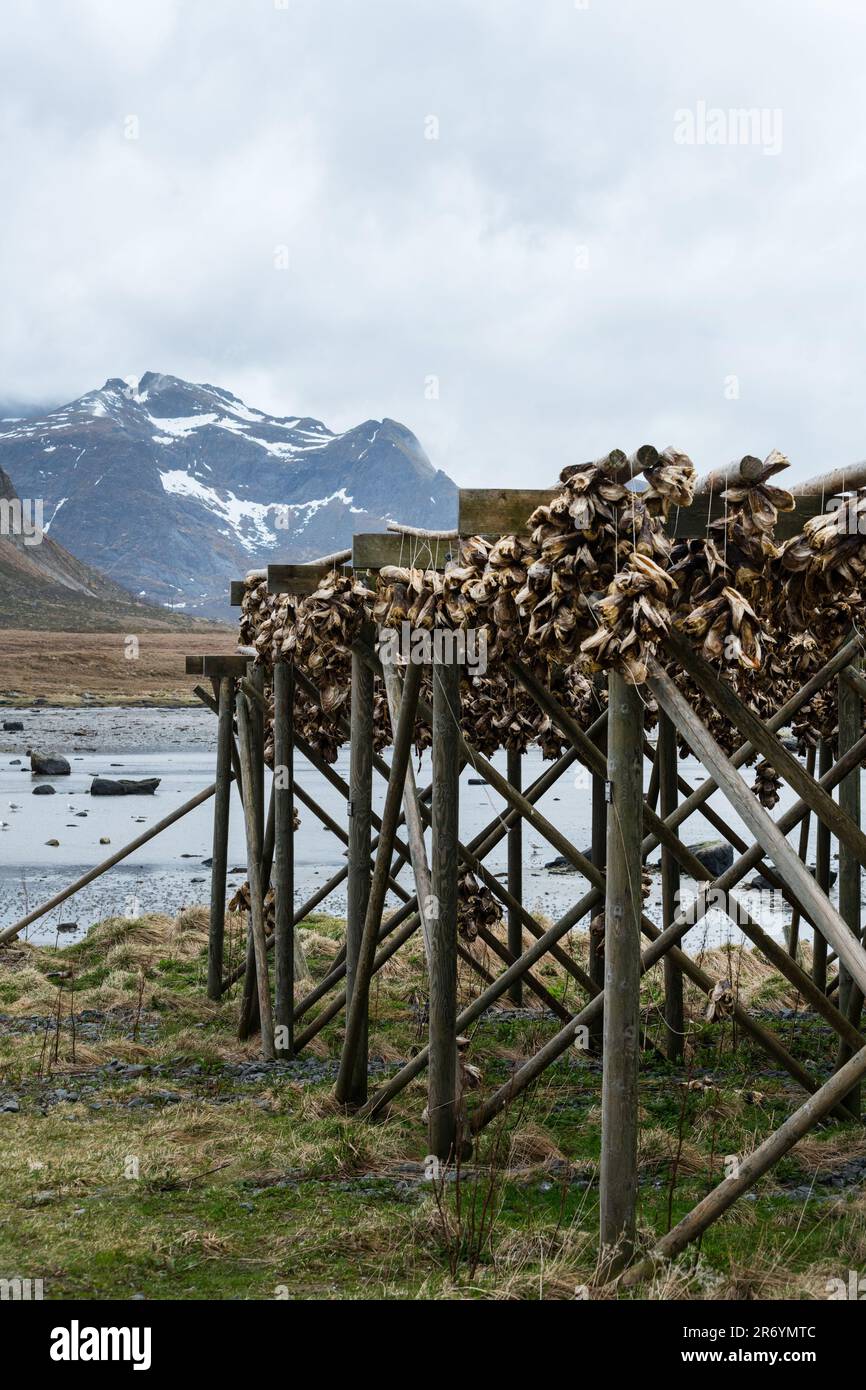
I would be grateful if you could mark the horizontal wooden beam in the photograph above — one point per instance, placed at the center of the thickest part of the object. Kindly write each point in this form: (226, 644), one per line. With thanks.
(296, 579)
(217, 664)
(373, 550)
(506, 511)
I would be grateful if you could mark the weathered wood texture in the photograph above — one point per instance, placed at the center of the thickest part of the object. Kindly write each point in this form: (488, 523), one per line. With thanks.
(252, 826)
(442, 1089)
(515, 873)
(622, 912)
(666, 760)
(219, 866)
(284, 856)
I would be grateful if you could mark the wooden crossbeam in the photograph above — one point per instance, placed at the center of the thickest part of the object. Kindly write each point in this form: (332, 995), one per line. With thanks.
(765, 830)
(220, 664)
(296, 579)
(506, 511)
(373, 550)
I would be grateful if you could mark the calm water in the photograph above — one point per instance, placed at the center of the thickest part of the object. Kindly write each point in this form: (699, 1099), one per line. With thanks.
(167, 874)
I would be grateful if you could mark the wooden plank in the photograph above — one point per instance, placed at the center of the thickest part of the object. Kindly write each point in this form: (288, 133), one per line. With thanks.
(622, 913)
(218, 665)
(372, 550)
(506, 511)
(296, 579)
(498, 511)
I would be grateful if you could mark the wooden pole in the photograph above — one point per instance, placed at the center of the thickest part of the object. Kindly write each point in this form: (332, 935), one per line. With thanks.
(442, 1076)
(598, 854)
(850, 713)
(622, 911)
(10, 932)
(822, 872)
(360, 808)
(411, 813)
(749, 725)
(219, 866)
(356, 1015)
(515, 872)
(793, 933)
(254, 805)
(766, 832)
(752, 1168)
(667, 763)
(663, 830)
(254, 876)
(284, 856)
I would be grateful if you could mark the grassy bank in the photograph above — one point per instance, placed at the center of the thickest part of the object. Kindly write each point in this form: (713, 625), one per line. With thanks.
(145, 1151)
(134, 666)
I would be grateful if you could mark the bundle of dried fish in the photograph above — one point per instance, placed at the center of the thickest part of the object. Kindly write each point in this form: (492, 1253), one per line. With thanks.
(727, 628)
(767, 785)
(476, 907)
(634, 618)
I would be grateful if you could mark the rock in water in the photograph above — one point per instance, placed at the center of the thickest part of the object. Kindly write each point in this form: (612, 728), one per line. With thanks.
(124, 786)
(44, 790)
(561, 865)
(715, 855)
(13, 726)
(48, 764)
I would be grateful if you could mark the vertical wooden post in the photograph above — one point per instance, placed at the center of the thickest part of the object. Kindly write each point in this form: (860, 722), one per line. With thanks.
(219, 867)
(360, 836)
(254, 804)
(442, 1076)
(619, 1100)
(252, 825)
(850, 997)
(284, 856)
(666, 761)
(793, 933)
(822, 871)
(515, 873)
(599, 859)
(356, 1013)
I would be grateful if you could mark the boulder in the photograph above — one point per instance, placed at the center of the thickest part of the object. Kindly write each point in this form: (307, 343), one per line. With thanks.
(715, 855)
(764, 883)
(124, 786)
(13, 726)
(49, 765)
(561, 865)
(44, 790)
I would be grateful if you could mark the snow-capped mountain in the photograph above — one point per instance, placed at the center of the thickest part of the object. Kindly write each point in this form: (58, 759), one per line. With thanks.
(173, 489)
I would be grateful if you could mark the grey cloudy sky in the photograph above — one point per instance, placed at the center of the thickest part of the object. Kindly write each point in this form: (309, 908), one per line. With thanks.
(575, 274)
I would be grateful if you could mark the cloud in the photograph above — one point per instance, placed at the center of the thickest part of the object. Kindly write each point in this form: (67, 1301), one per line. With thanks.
(572, 276)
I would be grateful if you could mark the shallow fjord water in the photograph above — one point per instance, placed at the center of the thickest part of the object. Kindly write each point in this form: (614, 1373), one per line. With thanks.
(167, 874)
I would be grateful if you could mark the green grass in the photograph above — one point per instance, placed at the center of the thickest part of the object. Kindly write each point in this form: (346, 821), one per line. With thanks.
(264, 1190)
